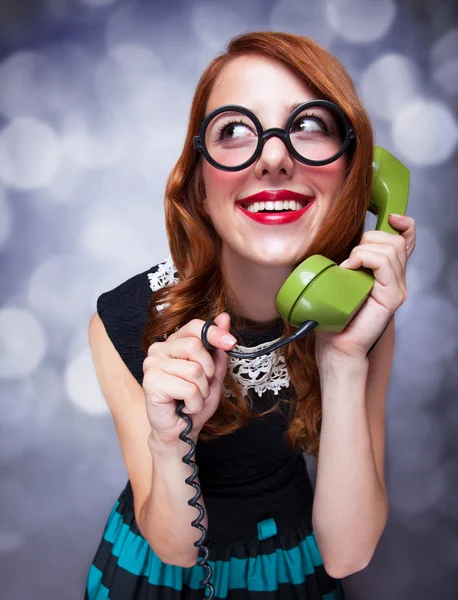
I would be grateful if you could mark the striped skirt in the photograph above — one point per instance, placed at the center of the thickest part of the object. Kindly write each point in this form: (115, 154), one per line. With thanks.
(273, 566)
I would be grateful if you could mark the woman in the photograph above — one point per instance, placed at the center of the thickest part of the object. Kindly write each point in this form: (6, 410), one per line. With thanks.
(233, 243)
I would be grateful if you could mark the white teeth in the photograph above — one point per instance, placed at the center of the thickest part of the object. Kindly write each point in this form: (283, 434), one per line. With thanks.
(274, 206)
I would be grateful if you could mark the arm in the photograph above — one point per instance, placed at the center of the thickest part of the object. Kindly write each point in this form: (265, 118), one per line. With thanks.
(160, 493)
(350, 507)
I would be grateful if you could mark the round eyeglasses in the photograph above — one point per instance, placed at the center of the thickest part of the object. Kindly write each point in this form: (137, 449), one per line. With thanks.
(231, 137)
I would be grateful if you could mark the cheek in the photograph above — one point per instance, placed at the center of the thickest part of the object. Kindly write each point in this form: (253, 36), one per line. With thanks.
(330, 178)
(220, 185)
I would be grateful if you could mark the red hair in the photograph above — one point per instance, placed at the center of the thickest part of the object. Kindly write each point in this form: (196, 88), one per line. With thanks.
(195, 246)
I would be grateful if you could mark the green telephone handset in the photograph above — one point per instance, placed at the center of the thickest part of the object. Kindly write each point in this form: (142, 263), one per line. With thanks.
(318, 289)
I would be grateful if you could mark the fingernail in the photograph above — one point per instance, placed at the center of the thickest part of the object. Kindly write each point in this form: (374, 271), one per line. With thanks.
(344, 263)
(396, 216)
(228, 340)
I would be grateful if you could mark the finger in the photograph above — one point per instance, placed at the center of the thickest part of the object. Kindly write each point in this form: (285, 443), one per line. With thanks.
(408, 228)
(378, 262)
(163, 389)
(382, 237)
(188, 370)
(188, 349)
(216, 336)
(397, 262)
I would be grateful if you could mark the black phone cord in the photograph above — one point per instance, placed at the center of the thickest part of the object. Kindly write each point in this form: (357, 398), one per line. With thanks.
(304, 330)
(187, 459)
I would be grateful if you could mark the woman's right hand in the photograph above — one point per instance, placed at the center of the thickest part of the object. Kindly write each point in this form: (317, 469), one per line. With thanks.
(181, 368)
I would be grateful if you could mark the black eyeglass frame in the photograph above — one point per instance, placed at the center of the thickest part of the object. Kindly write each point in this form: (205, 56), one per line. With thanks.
(347, 143)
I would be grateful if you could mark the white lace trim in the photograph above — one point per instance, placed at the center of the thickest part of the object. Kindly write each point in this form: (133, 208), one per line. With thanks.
(265, 373)
(268, 372)
(166, 274)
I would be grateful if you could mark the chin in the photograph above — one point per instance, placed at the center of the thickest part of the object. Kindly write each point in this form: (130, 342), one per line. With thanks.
(274, 259)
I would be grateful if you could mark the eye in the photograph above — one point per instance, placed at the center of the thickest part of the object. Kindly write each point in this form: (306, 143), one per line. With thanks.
(309, 124)
(233, 129)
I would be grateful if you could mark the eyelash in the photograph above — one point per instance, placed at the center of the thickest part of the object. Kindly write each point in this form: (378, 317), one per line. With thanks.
(317, 118)
(225, 125)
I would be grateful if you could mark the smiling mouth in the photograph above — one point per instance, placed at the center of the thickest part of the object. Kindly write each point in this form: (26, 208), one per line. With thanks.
(277, 206)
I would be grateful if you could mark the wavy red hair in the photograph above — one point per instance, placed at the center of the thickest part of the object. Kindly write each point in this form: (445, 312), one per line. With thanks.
(195, 246)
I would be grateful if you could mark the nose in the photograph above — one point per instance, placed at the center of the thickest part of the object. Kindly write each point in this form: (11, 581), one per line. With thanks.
(275, 159)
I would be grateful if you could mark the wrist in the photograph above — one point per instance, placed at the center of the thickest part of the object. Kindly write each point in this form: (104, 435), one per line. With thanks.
(170, 448)
(342, 367)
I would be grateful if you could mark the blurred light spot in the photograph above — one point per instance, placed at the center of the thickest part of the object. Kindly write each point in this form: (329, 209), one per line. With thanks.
(130, 78)
(215, 23)
(425, 132)
(444, 61)
(108, 238)
(27, 406)
(307, 19)
(82, 385)
(30, 154)
(93, 146)
(23, 342)
(5, 220)
(64, 189)
(359, 21)
(10, 541)
(67, 80)
(60, 291)
(388, 84)
(45, 85)
(19, 82)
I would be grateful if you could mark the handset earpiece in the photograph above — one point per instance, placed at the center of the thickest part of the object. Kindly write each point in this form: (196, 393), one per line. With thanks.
(318, 289)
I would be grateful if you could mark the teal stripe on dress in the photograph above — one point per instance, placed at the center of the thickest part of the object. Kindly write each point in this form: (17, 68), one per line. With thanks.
(261, 573)
(336, 594)
(95, 589)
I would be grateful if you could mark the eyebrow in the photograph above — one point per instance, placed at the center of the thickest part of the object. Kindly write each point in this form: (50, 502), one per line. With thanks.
(293, 107)
(289, 109)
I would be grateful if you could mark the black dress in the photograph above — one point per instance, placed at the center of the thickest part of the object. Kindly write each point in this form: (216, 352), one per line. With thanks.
(256, 490)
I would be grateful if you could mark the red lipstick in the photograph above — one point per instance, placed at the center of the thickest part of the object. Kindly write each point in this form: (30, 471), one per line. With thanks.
(275, 217)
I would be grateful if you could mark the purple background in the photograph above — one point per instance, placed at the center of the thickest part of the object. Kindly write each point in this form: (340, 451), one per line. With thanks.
(94, 99)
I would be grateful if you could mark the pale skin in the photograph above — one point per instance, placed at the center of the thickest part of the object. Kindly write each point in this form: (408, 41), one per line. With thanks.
(350, 506)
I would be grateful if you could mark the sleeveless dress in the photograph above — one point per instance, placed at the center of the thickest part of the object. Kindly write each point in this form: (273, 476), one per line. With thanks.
(256, 490)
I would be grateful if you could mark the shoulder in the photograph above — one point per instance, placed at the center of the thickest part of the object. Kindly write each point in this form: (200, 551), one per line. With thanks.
(122, 315)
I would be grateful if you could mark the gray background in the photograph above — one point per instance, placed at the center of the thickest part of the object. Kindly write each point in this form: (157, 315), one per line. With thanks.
(94, 99)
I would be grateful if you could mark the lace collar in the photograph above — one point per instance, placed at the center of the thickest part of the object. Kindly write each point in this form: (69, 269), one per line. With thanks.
(262, 374)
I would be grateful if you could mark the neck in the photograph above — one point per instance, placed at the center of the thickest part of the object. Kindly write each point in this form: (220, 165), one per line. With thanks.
(254, 287)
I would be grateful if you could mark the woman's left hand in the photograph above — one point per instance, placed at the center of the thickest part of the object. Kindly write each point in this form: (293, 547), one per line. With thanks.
(386, 254)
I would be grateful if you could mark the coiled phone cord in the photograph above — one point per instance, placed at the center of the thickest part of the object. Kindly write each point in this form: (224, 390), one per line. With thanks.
(301, 332)
(187, 459)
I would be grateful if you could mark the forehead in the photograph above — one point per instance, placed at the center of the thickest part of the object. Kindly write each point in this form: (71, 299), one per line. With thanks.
(260, 83)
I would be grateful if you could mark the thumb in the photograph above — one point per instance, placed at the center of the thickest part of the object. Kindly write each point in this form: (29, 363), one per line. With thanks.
(223, 320)
(220, 357)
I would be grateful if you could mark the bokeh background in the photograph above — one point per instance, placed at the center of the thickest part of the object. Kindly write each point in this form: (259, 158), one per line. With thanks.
(94, 99)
